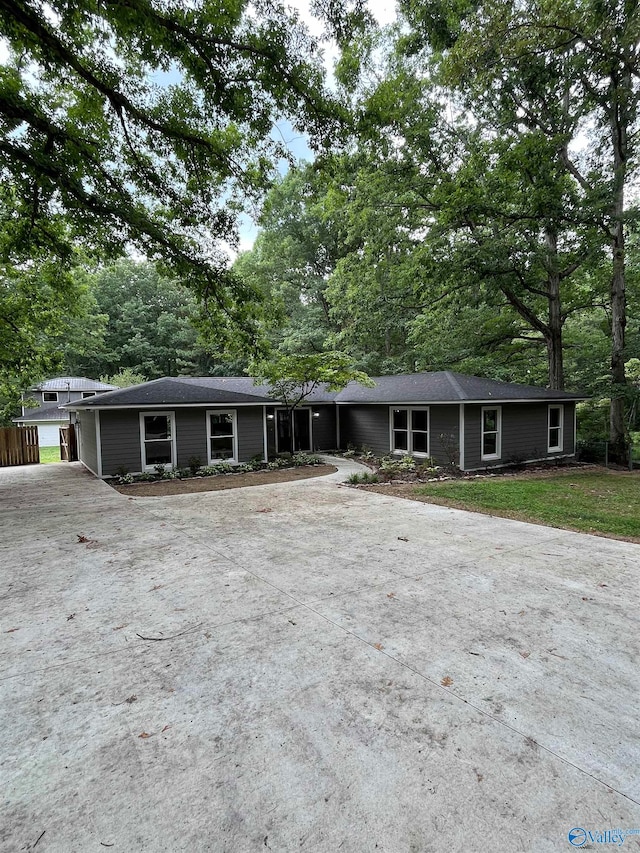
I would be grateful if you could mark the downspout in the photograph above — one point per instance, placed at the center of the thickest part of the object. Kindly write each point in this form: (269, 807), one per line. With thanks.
(461, 436)
(265, 446)
(98, 445)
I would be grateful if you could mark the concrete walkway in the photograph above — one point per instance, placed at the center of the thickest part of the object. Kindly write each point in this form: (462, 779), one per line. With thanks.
(305, 666)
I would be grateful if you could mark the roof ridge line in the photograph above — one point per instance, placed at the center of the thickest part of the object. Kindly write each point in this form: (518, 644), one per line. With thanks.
(455, 385)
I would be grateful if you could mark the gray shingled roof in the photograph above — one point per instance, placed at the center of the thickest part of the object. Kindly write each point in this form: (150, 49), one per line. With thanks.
(167, 391)
(442, 387)
(44, 413)
(72, 383)
(215, 390)
(445, 387)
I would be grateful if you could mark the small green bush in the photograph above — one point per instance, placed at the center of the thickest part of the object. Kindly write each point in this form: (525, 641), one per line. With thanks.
(394, 466)
(219, 468)
(365, 477)
(194, 465)
(254, 464)
(302, 458)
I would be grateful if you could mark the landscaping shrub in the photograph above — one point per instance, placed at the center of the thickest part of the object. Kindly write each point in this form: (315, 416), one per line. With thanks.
(364, 478)
(302, 458)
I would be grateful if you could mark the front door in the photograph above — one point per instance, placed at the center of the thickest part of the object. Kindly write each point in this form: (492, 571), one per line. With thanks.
(293, 430)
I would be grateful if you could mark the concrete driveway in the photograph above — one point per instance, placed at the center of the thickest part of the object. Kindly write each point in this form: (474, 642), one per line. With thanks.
(308, 667)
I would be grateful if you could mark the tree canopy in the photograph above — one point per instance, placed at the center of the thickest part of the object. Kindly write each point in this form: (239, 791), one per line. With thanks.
(149, 124)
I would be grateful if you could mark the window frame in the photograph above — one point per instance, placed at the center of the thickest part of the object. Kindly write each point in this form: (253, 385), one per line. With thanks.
(87, 394)
(410, 431)
(52, 394)
(213, 460)
(488, 457)
(143, 440)
(559, 447)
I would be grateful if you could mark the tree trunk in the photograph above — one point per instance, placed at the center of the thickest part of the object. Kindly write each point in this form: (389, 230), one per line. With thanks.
(618, 122)
(553, 335)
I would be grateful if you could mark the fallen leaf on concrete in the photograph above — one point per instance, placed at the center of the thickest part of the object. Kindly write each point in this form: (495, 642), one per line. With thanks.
(128, 701)
(378, 646)
(82, 538)
(522, 612)
(447, 681)
(11, 630)
(70, 617)
(266, 509)
(391, 595)
(157, 586)
(118, 627)
(403, 538)
(165, 728)
(144, 735)
(602, 585)
(524, 654)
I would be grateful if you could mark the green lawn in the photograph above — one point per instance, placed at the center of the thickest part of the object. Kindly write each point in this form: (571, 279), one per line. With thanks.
(605, 502)
(49, 454)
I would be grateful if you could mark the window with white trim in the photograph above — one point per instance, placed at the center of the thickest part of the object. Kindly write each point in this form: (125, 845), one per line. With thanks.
(157, 435)
(491, 432)
(410, 430)
(49, 396)
(222, 436)
(556, 428)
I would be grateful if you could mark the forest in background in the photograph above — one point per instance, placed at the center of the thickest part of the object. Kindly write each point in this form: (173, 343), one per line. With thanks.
(472, 205)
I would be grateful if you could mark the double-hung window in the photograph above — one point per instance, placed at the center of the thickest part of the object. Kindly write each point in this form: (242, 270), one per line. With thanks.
(556, 428)
(222, 436)
(410, 430)
(157, 434)
(491, 432)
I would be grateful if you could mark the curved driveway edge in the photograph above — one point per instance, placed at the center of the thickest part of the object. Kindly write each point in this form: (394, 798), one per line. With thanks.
(301, 666)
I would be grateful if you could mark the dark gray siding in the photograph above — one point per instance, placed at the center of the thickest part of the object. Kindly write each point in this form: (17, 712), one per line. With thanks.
(120, 432)
(324, 428)
(524, 433)
(365, 426)
(191, 433)
(250, 433)
(444, 438)
(120, 439)
(368, 426)
(191, 436)
(86, 422)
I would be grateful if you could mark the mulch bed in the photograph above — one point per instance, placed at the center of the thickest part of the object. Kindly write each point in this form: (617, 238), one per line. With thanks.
(218, 482)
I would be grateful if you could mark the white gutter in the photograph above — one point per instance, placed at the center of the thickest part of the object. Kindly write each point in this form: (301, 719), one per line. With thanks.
(425, 402)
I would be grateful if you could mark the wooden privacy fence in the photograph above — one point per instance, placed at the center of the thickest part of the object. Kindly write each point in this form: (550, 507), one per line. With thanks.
(68, 449)
(19, 446)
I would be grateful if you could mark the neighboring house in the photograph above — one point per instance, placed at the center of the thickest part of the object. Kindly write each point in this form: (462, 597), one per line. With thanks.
(47, 398)
(478, 423)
